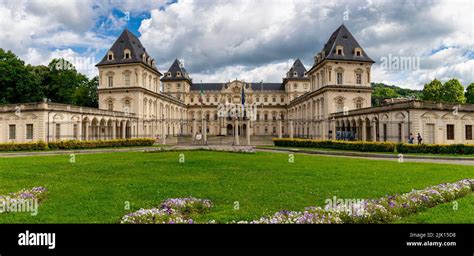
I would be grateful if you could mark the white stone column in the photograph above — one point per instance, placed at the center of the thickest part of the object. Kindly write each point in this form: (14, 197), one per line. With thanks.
(114, 129)
(86, 131)
(290, 129)
(79, 130)
(364, 130)
(236, 131)
(333, 129)
(194, 129)
(163, 132)
(402, 132)
(374, 131)
(123, 124)
(204, 131)
(247, 132)
(279, 129)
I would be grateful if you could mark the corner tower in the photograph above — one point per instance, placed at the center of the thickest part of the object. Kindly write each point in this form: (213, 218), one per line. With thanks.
(126, 74)
(176, 82)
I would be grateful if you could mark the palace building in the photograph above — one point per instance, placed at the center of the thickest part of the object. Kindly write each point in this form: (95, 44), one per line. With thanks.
(330, 100)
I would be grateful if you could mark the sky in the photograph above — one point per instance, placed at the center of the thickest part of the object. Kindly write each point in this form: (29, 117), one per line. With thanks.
(219, 40)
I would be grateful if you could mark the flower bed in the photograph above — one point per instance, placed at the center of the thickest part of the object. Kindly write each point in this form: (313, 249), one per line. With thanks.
(155, 216)
(20, 198)
(382, 210)
(171, 211)
(187, 206)
(367, 211)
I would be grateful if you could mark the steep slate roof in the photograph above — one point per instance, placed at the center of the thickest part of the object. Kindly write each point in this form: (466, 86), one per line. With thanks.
(126, 40)
(256, 86)
(207, 86)
(299, 68)
(344, 38)
(173, 70)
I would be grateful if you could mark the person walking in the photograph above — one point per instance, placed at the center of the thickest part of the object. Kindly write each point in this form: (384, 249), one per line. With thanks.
(420, 139)
(411, 139)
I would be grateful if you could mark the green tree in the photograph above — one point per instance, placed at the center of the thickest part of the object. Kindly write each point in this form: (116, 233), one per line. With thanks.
(381, 92)
(17, 83)
(433, 91)
(453, 91)
(469, 95)
(86, 93)
(62, 81)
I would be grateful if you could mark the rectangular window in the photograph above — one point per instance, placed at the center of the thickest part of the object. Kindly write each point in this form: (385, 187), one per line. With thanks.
(359, 78)
(339, 78)
(258, 99)
(29, 131)
(127, 80)
(75, 132)
(12, 132)
(468, 132)
(384, 132)
(450, 131)
(58, 131)
(111, 81)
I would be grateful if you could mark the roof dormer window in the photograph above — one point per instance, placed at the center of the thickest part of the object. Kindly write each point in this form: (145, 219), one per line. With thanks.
(126, 54)
(178, 74)
(295, 74)
(110, 55)
(339, 50)
(358, 52)
(168, 74)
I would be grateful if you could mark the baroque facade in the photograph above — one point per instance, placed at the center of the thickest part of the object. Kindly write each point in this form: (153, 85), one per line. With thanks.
(331, 100)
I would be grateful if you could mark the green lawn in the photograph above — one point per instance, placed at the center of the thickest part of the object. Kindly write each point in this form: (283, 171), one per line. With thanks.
(458, 211)
(96, 187)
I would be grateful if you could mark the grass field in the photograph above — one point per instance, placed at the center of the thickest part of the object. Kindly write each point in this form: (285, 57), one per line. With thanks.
(96, 187)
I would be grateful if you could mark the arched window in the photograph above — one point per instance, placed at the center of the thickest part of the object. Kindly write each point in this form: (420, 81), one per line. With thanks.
(110, 55)
(127, 54)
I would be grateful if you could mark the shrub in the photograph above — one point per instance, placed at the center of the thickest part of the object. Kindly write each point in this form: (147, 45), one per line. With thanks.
(364, 146)
(75, 144)
(30, 146)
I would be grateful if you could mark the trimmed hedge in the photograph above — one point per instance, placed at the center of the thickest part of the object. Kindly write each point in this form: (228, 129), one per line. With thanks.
(341, 145)
(39, 145)
(363, 146)
(459, 149)
(75, 144)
